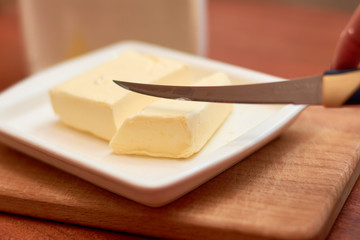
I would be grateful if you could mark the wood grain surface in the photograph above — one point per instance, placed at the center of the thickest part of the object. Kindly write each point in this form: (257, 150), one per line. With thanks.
(292, 188)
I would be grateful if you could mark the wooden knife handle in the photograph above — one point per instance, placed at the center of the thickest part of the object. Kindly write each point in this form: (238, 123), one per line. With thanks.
(341, 87)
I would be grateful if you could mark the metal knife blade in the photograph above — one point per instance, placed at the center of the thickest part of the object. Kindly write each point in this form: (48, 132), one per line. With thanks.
(306, 90)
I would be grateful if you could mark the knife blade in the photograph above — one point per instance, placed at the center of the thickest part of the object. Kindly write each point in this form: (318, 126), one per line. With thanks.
(332, 89)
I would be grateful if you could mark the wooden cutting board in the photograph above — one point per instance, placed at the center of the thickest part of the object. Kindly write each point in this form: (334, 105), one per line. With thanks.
(293, 188)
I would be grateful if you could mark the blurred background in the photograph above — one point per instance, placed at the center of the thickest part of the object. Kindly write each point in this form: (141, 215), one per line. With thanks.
(348, 5)
(240, 32)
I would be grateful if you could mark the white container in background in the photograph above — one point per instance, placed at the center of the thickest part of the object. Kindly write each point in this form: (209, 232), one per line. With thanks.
(57, 30)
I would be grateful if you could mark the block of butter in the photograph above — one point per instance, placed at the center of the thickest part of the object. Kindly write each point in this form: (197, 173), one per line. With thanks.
(91, 102)
(172, 128)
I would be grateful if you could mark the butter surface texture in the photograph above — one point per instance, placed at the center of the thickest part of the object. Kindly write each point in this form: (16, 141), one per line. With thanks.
(93, 103)
(172, 128)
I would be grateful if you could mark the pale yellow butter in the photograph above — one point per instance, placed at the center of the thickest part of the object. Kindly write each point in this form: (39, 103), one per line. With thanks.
(172, 128)
(92, 102)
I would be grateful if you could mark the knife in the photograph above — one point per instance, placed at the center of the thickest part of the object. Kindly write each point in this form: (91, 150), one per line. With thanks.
(331, 89)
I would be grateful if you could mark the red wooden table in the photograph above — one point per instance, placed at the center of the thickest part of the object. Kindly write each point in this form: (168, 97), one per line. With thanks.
(279, 39)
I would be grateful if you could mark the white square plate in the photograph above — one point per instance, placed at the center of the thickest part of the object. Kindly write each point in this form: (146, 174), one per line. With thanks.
(28, 124)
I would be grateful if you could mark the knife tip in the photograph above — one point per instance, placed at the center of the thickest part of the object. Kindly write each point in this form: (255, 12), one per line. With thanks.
(122, 84)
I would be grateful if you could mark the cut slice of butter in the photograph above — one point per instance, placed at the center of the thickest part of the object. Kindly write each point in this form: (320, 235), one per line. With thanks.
(92, 102)
(172, 128)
